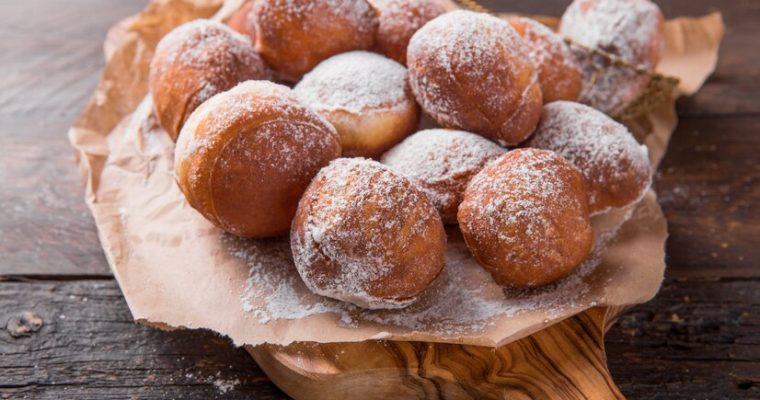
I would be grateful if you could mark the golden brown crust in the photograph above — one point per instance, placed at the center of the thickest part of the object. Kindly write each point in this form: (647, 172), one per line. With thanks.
(366, 97)
(631, 30)
(615, 165)
(441, 162)
(398, 21)
(525, 218)
(245, 157)
(471, 71)
(366, 235)
(558, 73)
(240, 22)
(370, 135)
(194, 62)
(293, 36)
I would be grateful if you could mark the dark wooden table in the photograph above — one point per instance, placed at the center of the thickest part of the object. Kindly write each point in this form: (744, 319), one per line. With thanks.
(698, 339)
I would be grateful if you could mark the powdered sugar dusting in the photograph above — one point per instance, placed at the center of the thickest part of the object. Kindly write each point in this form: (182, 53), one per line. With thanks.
(604, 150)
(441, 162)
(190, 43)
(464, 300)
(273, 288)
(466, 48)
(551, 56)
(530, 203)
(399, 20)
(339, 229)
(209, 52)
(294, 35)
(289, 11)
(247, 99)
(355, 82)
(556, 50)
(630, 29)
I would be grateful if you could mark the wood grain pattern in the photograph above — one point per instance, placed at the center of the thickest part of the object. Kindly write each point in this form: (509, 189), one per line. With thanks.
(90, 348)
(697, 339)
(564, 361)
(50, 59)
(683, 344)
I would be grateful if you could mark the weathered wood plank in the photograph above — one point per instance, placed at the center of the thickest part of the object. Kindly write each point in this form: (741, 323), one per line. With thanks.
(684, 344)
(52, 54)
(89, 348)
(45, 226)
(696, 339)
(709, 188)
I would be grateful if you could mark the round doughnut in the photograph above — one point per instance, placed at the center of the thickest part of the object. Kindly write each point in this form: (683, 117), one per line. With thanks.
(525, 218)
(472, 71)
(293, 36)
(366, 235)
(615, 165)
(366, 97)
(441, 162)
(194, 62)
(397, 22)
(245, 156)
(558, 72)
(632, 30)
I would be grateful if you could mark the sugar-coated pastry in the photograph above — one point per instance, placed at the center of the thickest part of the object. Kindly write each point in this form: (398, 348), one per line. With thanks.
(632, 30)
(366, 97)
(194, 62)
(558, 72)
(366, 235)
(240, 22)
(525, 218)
(615, 165)
(398, 20)
(472, 71)
(441, 162)
(293, 36)
(245, 156)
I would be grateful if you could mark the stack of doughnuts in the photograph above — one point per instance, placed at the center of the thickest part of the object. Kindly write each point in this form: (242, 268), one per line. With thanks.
(336, 158)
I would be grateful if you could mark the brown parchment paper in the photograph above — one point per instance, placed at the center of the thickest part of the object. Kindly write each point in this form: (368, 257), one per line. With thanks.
(176, 270)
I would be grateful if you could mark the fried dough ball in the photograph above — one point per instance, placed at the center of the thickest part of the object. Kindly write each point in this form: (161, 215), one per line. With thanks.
(293, 36)
(615, 165)
(366, 235)
(441, 162)
(632, 30)
(240, 22)
(194, 62)
(398, 21)
(558, 72)
(472, 71)
(366, 97)
(245, 156)
(525, 218)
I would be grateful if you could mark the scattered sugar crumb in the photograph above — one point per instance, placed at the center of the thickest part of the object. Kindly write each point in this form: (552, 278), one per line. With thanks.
(224, 386)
